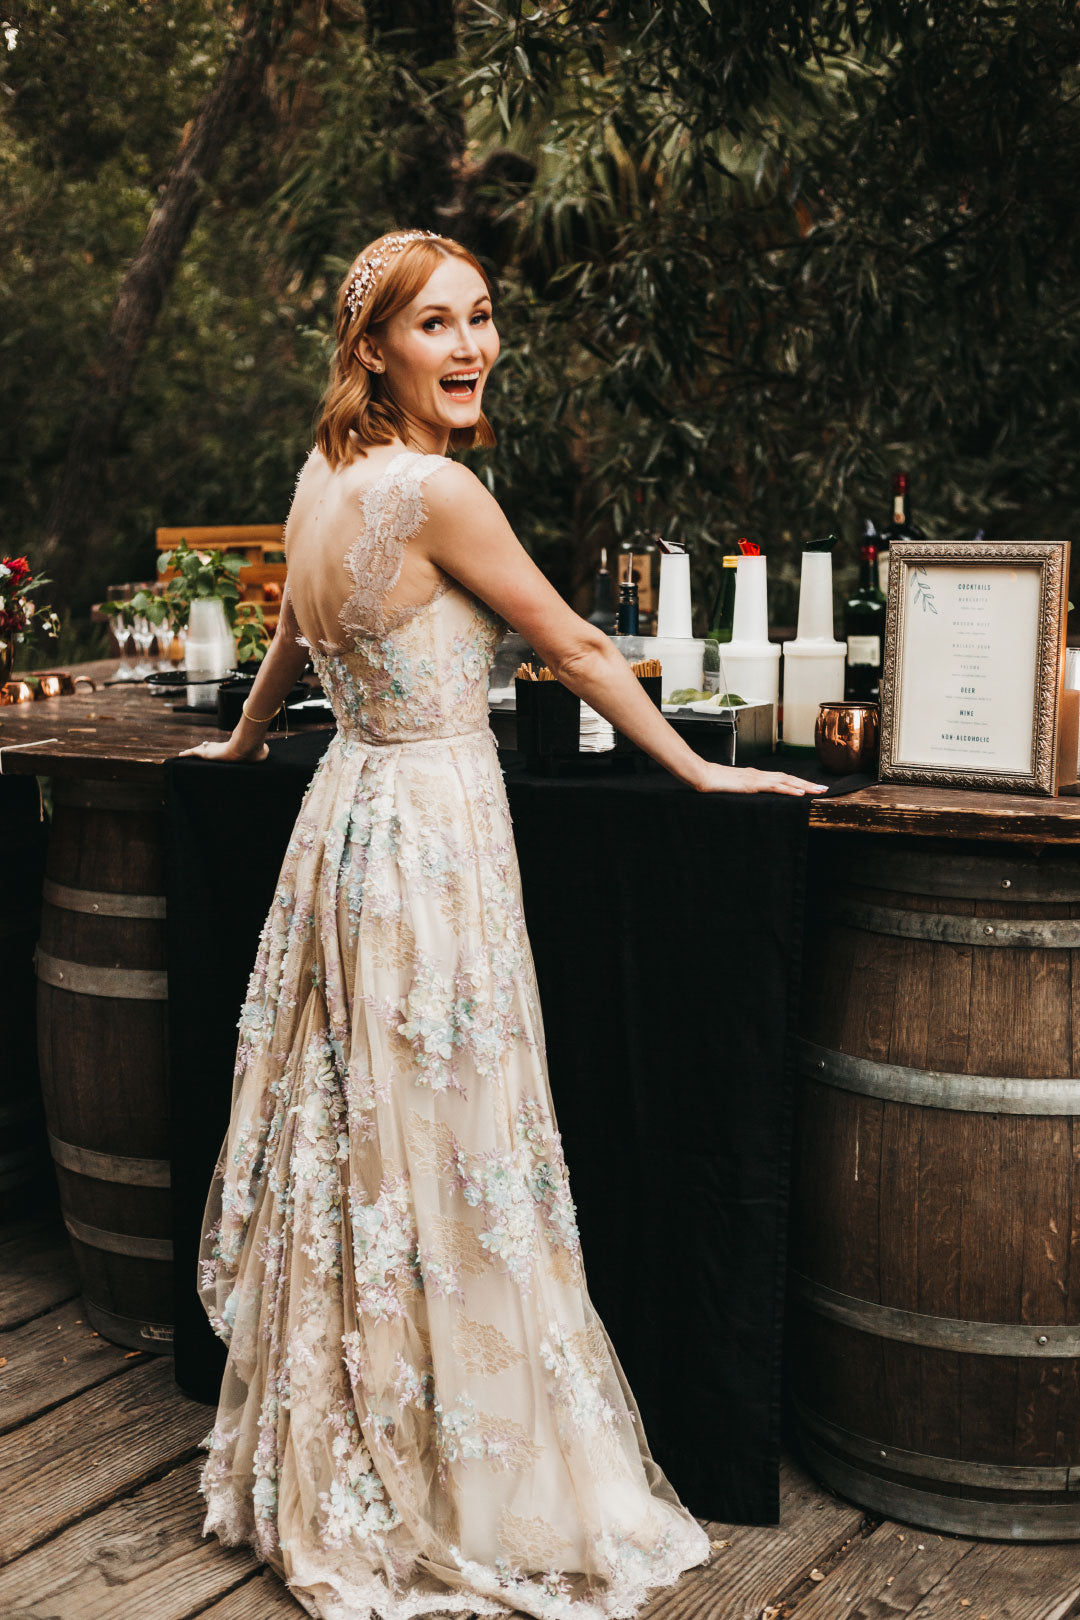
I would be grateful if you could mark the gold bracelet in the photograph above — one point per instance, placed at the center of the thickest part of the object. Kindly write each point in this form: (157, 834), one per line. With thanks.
(254, 721)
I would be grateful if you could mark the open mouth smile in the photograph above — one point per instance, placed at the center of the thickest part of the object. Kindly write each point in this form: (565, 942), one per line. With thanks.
(460, 384)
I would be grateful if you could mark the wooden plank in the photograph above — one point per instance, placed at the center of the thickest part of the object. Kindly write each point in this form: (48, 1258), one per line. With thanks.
(219, 534)
(142, 1556)
(52, 1358)
(899, 1571)
(37, 1271)
(886, 1576)
(758, 1563)
(263, 1597)
(99, 1444)
(951, 813)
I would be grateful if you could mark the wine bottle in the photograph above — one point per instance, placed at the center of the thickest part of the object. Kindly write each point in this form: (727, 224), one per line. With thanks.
(603, 613)
(864, 626)
(642, 555)
(900, 528)
(722, 616)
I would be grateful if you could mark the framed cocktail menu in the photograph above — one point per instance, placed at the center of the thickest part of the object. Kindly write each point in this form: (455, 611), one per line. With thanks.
(974, 658)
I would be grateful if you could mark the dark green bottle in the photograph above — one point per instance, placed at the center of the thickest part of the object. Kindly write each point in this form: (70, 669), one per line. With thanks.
(864, 628)
(722, 616)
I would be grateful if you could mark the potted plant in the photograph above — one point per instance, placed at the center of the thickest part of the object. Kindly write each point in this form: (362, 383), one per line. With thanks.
(20, 617)
(202, 596)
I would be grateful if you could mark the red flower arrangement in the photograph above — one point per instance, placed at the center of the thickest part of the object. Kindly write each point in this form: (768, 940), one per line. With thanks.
(21, 618)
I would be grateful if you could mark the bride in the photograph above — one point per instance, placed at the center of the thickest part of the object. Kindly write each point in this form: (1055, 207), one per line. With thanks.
(421, 1411)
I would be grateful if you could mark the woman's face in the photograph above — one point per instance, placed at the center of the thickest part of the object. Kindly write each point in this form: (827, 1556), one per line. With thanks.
(435, 354)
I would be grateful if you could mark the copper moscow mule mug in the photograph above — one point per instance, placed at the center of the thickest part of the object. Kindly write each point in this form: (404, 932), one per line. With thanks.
(61, 682)
(846, 735)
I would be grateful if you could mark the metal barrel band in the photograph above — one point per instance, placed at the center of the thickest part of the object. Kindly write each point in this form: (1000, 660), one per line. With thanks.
(132, 1331)
(949, 1470)
(130, 1171)
(88, 979)
(966, 877)
(958, 1515)
(129, 1243)
(1042, 933)
(933, 1088)
(1054, 1342)
(99, 902)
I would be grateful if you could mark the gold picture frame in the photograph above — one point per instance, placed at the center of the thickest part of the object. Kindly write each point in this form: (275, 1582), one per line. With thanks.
(973, 664)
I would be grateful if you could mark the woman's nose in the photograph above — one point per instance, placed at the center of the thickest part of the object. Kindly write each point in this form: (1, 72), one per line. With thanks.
(466, 343)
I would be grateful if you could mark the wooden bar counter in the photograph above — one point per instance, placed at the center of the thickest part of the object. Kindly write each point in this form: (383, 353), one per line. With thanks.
(934, 1299)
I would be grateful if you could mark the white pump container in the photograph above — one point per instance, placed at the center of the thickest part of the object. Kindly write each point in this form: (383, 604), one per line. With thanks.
(814, 661)
(751, 660)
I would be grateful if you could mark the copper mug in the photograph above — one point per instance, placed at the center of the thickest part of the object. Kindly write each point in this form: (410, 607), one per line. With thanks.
(846, 735)
(17, 691)
(60, 682)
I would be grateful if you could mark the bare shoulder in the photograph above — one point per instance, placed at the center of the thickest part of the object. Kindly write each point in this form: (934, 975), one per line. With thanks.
(453, 491)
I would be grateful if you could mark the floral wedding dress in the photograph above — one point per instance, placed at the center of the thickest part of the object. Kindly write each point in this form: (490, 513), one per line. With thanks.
(421, 1412)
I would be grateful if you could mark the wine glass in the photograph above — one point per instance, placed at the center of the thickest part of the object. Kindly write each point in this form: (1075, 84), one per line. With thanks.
(121, 619)
(165, 632)
(122, 624)
(142, 633)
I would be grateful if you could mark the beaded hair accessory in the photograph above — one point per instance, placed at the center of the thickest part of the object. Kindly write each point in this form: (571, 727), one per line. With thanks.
(367, 271)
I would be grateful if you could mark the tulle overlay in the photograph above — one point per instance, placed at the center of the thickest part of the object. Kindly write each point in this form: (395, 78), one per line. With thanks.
(421, 1412)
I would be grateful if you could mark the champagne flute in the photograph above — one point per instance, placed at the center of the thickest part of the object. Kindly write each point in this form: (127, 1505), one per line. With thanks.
(122, 622)
(142, 633)
(121, 619)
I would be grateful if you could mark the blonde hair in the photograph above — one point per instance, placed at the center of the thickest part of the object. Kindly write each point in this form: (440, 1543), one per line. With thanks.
(355, 398)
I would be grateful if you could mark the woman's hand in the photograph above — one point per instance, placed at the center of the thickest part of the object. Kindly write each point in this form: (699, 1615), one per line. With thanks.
(744, 779)
(229, 750)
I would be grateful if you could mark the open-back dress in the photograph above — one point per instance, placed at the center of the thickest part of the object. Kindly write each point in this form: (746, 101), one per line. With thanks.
(421, 1411)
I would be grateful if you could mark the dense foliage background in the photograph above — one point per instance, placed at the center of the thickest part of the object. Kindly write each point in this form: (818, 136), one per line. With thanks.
(751, 256)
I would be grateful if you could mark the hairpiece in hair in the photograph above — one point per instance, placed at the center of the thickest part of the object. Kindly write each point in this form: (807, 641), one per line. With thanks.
(367, 271)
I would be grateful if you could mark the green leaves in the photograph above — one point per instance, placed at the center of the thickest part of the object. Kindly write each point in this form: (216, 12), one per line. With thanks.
(750, 255)
(202, 573)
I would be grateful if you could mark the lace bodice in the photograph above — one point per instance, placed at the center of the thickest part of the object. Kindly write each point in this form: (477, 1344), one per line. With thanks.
(402, 671)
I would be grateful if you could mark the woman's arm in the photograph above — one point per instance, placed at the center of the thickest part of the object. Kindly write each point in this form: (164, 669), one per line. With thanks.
(468, 536)
(278, 674)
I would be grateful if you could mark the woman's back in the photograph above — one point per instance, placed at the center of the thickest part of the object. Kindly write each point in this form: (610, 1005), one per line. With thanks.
(402, 651)
(346, 542)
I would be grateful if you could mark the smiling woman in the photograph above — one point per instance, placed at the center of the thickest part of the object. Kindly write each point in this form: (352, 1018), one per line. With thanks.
(421, 1410)
(414, 321)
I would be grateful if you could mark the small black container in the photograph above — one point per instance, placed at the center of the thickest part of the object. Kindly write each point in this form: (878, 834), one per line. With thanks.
(548, 721)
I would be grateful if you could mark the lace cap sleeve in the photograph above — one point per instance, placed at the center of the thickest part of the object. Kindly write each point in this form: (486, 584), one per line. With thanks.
(391, 512)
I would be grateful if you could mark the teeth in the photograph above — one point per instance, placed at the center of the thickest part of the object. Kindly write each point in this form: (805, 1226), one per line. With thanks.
(463, 376)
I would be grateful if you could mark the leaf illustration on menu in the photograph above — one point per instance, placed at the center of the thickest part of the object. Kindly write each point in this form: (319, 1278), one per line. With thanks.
(922, 594)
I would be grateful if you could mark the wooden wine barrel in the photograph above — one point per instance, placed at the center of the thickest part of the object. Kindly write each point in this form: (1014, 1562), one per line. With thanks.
(102, 1051)
(26, 1179)
(934, 1328)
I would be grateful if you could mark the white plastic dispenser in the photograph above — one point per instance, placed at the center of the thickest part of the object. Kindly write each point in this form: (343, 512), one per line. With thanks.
(814, 661)
(751, 660)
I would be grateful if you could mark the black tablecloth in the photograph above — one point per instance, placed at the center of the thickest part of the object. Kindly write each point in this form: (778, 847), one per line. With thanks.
(666, 930)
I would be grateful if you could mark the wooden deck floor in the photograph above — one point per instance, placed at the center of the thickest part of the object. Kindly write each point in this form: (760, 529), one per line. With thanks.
(100, 1515)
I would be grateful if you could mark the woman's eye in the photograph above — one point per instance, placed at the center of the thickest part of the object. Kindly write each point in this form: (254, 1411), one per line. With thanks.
(431, 322)
(482, 315)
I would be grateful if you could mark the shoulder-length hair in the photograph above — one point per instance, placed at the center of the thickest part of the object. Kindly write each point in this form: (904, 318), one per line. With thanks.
(359, 400)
